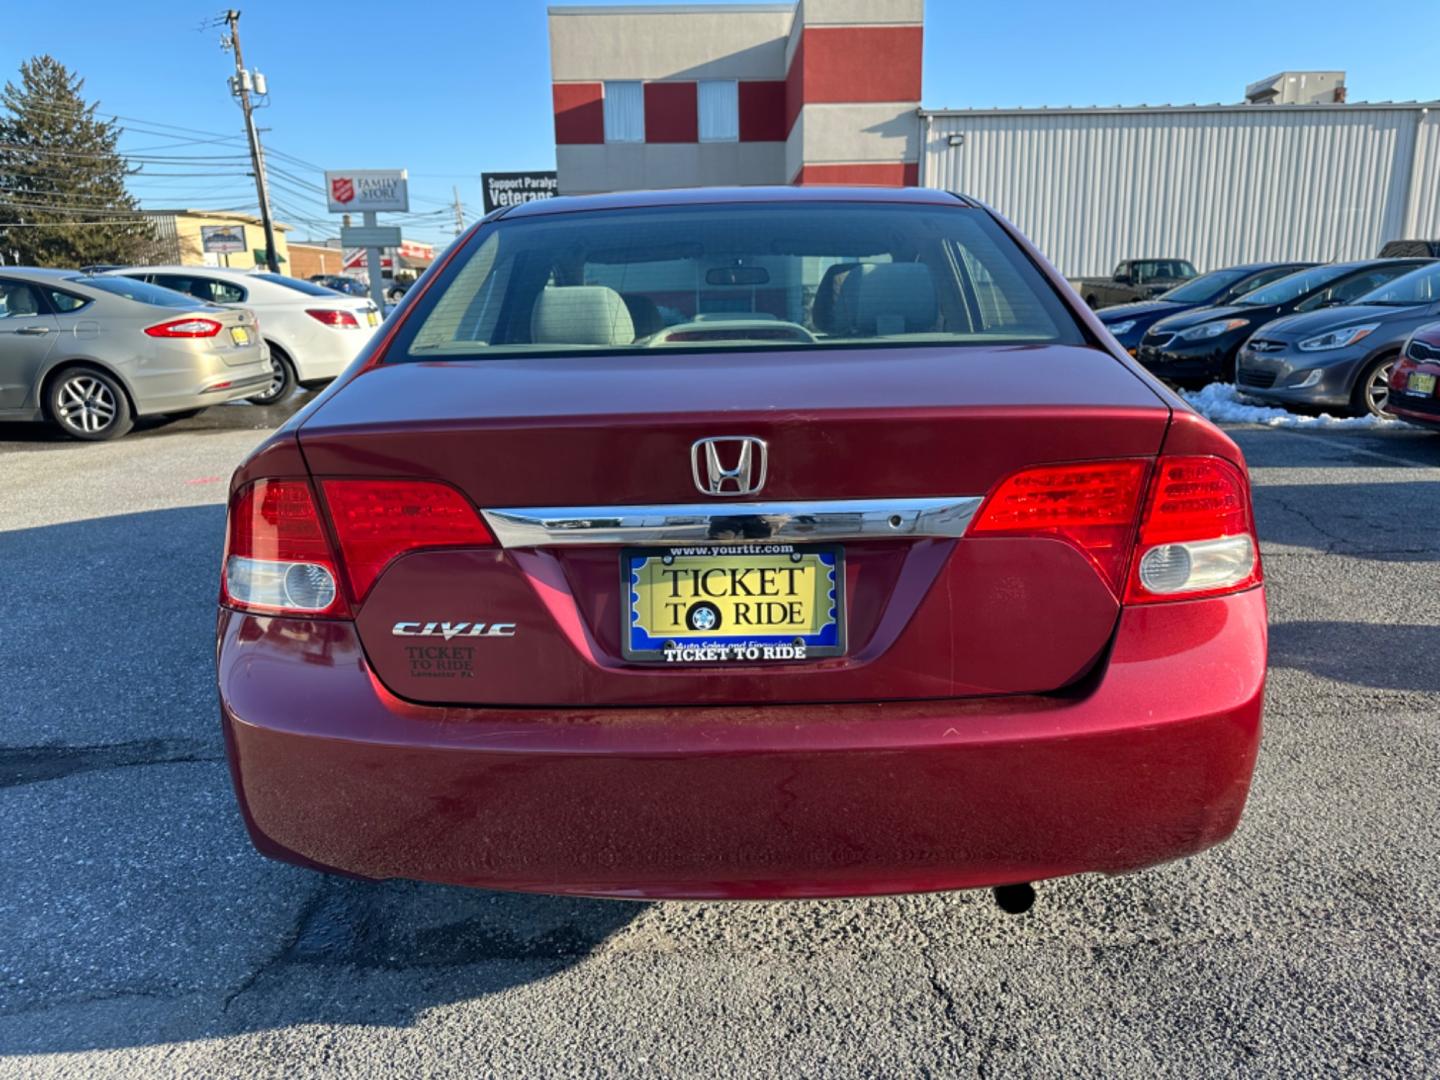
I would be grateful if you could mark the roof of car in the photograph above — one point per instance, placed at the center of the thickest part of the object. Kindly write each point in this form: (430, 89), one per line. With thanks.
(59, 274)
(626, 200)
(224, 271)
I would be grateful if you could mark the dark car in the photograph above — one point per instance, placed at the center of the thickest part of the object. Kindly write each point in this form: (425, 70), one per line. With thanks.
(868, 568)
(341, 283)
(1134, 279)
(1398, 249)
(1200, 346)
(1128, 322)
(1415, 379)
(1340, 356)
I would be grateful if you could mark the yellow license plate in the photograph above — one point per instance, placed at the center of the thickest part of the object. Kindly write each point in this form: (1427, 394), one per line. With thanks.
(239, 335)
(741, 603)
(372, 318)
(1420, 384)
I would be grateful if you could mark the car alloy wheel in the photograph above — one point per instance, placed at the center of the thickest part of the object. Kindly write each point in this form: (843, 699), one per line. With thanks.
(1375, 390)
(89, 405)
(281, 381)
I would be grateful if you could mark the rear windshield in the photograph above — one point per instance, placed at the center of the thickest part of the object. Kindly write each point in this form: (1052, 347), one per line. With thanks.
(1417, 287)
(309, 288)
(760, 276)
(140, 291)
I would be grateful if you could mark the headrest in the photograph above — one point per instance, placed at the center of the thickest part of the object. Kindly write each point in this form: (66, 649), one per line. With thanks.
(825, 314)
(580, 315)
(644, 314)
(889, 298)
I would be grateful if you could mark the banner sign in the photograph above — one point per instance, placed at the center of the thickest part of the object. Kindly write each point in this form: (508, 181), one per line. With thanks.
(222, 239)
(367, 189)
(514, 188)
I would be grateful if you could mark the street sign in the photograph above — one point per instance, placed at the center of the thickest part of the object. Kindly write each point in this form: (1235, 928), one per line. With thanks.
(258, 254)
(367, 190)
(513, 188)
(363, 236)
(222, 239)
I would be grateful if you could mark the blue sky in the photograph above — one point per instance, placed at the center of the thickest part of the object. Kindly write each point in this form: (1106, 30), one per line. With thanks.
(452, 90)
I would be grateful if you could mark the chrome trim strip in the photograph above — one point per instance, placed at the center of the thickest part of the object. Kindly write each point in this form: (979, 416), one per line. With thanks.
(689, 523)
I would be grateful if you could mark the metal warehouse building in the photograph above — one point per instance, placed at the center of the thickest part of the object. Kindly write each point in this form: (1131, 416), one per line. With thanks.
(1217, 184)
(828, 92)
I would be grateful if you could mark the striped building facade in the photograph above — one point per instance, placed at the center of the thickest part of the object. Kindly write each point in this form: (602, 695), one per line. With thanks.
(817, 92)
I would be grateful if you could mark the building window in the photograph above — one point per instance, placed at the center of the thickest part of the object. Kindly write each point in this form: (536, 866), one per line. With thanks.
(719, 111)
(624, 112)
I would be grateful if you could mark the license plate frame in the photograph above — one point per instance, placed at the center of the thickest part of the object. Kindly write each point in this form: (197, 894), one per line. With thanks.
(239, 337)
(663, 645)
(1426, 380)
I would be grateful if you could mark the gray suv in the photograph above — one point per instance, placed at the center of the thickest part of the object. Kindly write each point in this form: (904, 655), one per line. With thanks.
(1340, 356)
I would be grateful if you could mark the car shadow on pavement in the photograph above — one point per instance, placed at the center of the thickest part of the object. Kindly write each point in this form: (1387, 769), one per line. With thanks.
(1385, 656)
(1341, 519)
(136, 911)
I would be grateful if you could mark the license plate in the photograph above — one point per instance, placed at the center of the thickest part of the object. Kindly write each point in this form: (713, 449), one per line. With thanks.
(239, 335)
(372, 318)
(1420, 384)
(729, 604)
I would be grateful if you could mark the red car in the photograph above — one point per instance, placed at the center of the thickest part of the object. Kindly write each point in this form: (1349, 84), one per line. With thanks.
(752, 543)
(1415, 379)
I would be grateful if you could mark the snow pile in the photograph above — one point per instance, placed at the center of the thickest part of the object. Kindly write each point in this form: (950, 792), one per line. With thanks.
(1222, 403)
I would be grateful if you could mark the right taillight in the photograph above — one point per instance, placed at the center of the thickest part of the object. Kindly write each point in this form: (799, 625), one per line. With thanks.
(277, 556)
(1196, 536)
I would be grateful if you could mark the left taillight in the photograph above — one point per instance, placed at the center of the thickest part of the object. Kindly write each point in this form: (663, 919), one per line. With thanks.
(377, 521)
(277, 556)
(185, 328)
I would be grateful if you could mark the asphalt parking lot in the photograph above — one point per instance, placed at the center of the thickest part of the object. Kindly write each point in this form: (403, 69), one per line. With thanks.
(143, 936)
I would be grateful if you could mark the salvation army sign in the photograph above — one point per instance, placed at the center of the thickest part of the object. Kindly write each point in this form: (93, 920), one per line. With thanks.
(367, 190)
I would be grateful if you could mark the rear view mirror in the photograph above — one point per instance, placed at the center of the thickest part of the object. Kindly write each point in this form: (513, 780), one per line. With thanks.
(737, 275)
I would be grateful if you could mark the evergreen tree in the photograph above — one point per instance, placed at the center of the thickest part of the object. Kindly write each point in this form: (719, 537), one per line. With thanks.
(62, 183)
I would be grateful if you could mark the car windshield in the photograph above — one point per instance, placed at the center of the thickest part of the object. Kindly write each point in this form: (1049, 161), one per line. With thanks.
(1420, 286)
(1296, 285)
(1161, 269)
(309, 288)
(141, 291)
(1204, 288)
(757, 275)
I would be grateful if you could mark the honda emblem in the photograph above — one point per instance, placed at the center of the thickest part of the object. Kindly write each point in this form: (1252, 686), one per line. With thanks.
(729, 465)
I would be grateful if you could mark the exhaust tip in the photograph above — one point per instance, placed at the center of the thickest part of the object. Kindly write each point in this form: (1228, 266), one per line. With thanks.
(1015, 899)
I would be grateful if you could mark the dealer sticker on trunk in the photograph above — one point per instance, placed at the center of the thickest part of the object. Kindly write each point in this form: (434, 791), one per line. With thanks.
(734, 603)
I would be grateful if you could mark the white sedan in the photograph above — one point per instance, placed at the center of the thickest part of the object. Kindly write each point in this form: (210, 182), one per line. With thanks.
(313, 332)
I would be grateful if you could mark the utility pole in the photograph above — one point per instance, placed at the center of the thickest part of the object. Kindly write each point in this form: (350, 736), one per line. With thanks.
(240, 86)
(459, 211)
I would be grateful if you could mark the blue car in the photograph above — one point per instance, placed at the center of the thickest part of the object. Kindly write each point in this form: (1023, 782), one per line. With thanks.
(1128, 322)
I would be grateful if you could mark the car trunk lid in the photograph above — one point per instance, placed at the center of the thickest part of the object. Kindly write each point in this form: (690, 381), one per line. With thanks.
(914, 434)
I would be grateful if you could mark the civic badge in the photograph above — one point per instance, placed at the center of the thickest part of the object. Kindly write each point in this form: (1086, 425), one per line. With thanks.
(729, 465)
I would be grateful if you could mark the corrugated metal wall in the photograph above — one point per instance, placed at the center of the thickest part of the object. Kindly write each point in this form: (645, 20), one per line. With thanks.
(1217, 185)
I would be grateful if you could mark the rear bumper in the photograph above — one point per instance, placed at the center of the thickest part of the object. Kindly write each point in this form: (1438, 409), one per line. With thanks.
(1152, 763)
(209, 384)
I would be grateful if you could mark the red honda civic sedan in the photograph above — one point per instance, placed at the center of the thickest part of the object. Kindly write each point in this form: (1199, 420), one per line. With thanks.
(742, 543)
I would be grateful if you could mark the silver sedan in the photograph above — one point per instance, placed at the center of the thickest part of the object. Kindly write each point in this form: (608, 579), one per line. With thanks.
(91, 353)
